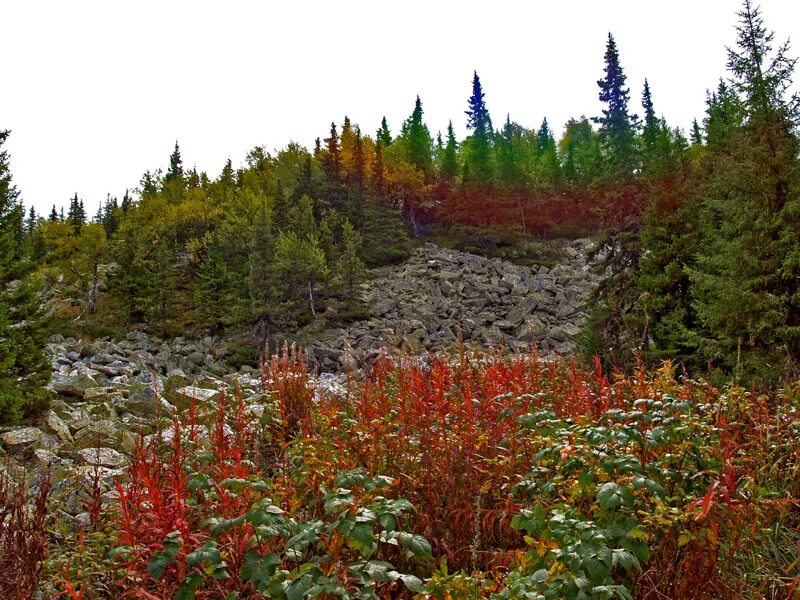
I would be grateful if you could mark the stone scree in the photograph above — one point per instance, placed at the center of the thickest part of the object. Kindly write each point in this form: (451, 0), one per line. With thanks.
(424, 304)
(105, 391)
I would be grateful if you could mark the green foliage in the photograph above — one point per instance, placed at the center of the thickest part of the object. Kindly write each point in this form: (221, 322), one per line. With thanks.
(478, 167)
(212, 287)
(616, 125)
(349, 265)
(449, 163)
(720, 271)
(416, 140)
(300, 267)
(24, 322)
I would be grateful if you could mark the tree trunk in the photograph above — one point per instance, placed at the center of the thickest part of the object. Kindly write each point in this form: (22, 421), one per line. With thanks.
(93, 290)
(311, 298)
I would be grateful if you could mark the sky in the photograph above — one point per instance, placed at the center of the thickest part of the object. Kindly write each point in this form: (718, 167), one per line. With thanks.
(97, 93)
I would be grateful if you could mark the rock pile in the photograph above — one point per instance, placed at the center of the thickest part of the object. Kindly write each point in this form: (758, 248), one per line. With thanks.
(105, 396)
(439, 294)
(109, 392)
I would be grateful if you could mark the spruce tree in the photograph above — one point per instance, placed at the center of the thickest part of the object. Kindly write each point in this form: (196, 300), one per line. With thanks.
(175, 170)
(581, 148)
(697, 134)
(418, 141)
(127, 202)
(450, 155)
(211, 290)
(617, 131)
(359, 175)
(77, 215)
(349, 266)
(378, 169)
(24, 369)
(548, 164)
(301, 267)
(509, 166)
(331, 161)
(746, 284)
(478, 163)
(383, 134)
(651, 122)
(544, 137)
(53, 215)
(110, 216)
(33, 219)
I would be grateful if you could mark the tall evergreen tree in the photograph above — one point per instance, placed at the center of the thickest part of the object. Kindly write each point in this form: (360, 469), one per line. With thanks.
(33, 219)
(651, 122)
(76, 215)
(509, 164)
(544, 137)
(697, 134)
(617, 131)
(383, 134)
(478, 163)
(349, 266)
(746, 284)
(580, 148)
(23, 322)
(450, 155)
(548, 165)
(53, 215)
(332, 160)
(418, 141)
(359, 176)
(126, 203)
(378, 169)
(175, 170)
(211, 290)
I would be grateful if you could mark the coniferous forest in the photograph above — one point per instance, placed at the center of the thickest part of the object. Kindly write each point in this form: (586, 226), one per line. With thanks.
(661, 460)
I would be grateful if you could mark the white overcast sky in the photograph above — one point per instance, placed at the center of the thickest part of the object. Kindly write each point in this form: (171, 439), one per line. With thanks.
(95, 93)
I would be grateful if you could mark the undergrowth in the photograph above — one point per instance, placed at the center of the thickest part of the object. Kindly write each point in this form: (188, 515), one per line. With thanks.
(459, 476)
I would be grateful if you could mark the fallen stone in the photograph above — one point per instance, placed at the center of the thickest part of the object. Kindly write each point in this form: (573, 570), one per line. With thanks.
(105, 457)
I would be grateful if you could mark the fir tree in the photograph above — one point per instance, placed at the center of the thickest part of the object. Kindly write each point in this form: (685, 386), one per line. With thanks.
(349, 266)
(126, 203)
(544, 137)
(383, 134)
(175, 170)
(53, 215)
(418, 141)
(450, 155)
(548, 165)
(359, 161)
(210, 290)
(331, 161)
(77, 215)
(509, 168)
(478, 162)
(617, 131)
(651, 122)
(33, 219)
(110, 216)
(24, 369)
(378, 169)
(301, 267)
(697, 134)
(745, 284)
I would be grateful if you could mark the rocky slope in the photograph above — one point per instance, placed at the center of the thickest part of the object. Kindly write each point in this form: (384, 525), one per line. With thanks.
(106, 394)
(109, 392)
(439, 294)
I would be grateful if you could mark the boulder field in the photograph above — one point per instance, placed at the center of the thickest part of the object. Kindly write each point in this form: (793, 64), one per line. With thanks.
(109, 392)
(426, 303)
